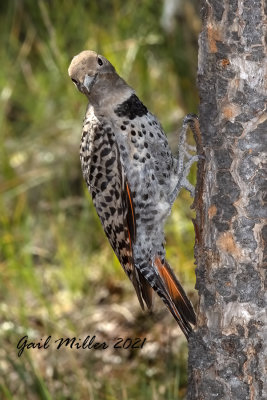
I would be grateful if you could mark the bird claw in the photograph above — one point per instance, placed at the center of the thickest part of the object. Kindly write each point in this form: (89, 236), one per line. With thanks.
(188, 186)
(183, 167)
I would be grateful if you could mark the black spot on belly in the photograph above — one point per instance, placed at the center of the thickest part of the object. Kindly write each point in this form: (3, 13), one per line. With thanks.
(110, 162)
(105, 151)
(99, 175)
(119, 228)
(103, 186)
(112, 210)
(98, 136)
(131, 108)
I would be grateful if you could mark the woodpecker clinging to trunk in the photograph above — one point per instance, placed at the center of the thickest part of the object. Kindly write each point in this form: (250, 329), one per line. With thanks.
(133, 179)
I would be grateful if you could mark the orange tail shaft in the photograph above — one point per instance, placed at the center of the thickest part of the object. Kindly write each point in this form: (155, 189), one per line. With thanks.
(180, 306)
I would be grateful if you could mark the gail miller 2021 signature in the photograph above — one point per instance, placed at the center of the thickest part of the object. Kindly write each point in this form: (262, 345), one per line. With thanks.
(90, 343)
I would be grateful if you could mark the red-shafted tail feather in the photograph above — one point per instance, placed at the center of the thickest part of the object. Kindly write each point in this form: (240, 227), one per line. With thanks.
(180, 306)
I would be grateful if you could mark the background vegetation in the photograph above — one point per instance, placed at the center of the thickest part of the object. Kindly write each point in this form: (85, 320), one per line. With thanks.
(59, 276)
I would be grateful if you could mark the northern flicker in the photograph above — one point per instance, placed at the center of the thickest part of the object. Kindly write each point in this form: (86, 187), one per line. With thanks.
(133, 179)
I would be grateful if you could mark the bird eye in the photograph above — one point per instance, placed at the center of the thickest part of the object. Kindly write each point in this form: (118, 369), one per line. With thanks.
(100, 62)
(74, 81)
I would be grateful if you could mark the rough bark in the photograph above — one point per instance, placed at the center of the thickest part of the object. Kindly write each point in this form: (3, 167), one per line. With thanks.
(228, 350)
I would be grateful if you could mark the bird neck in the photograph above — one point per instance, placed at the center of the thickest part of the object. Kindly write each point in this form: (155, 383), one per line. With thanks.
(108, 91)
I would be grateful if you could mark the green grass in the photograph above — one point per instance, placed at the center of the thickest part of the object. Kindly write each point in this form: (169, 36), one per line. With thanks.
(59, 276)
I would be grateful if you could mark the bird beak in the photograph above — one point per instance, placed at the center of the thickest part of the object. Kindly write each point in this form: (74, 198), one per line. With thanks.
(89, 81)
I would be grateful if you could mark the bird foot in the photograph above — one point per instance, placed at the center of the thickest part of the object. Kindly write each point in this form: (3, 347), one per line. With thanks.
(185, 160)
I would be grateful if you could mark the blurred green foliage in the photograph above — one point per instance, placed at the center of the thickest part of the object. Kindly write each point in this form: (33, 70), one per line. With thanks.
(59, 276)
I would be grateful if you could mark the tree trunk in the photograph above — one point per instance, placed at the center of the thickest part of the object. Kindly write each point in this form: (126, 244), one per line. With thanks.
(227, 352)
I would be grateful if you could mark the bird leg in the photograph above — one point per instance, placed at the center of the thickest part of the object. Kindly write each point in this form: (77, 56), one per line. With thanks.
(185, 160)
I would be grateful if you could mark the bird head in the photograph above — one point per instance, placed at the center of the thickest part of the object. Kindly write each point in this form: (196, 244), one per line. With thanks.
(95, 76)
(87, 69)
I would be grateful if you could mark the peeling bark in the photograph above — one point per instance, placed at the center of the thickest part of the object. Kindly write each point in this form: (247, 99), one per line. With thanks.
(228, 349)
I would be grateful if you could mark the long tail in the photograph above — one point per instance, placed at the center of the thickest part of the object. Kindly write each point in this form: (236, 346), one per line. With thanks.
(167, 286)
